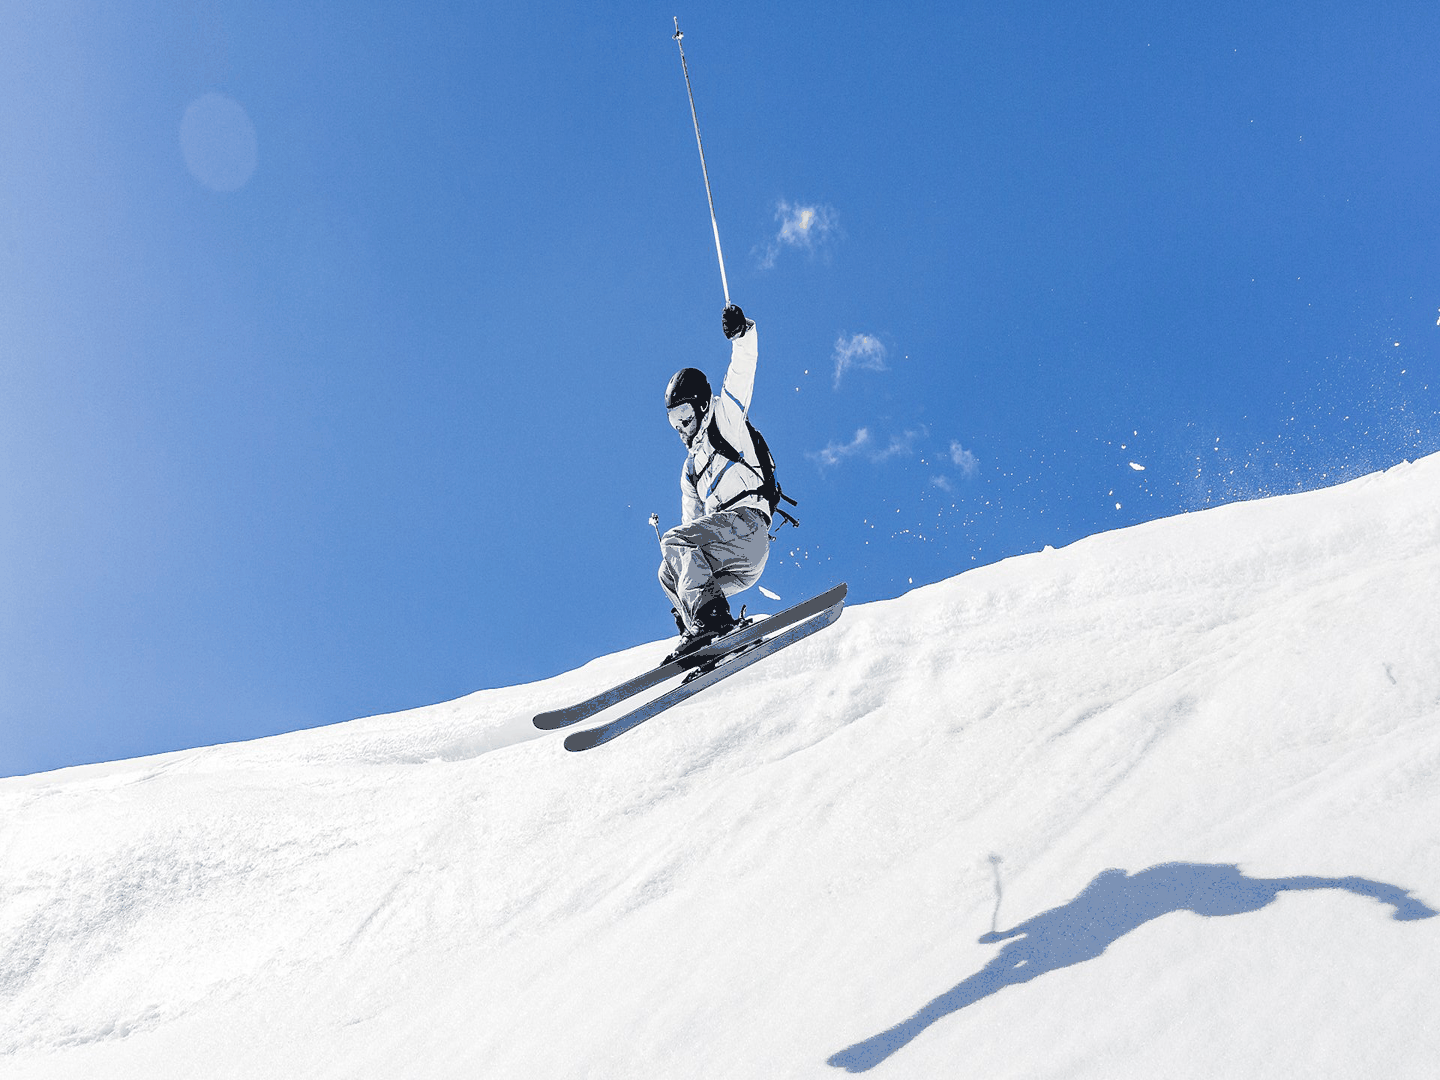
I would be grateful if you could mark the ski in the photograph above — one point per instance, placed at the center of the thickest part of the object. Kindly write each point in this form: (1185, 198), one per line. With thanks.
(746, 635)
(702, 677)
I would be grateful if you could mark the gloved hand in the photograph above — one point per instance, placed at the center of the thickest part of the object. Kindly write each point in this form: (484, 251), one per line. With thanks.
(733, 321)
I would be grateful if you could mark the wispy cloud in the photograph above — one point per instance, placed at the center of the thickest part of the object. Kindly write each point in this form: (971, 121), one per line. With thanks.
(806, 227)
(902, 445)
(965, 461)
(858, 351)
(835, 453)
(864, 445)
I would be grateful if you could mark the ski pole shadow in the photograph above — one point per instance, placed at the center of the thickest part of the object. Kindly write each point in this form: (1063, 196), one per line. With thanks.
(1107, 909)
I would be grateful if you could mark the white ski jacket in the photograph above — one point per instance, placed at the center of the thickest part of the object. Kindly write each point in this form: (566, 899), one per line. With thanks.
(711, 481)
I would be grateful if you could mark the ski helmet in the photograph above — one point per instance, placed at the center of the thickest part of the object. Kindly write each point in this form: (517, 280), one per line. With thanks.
(688, 384)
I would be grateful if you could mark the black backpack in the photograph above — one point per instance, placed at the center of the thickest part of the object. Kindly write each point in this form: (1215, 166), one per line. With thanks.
(769, 488)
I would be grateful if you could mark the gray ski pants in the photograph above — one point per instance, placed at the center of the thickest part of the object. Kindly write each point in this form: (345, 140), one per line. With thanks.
(718, 553)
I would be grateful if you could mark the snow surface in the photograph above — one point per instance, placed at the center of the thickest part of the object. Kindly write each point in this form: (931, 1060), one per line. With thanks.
(1161, 803)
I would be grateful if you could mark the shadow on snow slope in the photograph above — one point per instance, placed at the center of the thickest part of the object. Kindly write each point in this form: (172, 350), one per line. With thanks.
(1107, 909)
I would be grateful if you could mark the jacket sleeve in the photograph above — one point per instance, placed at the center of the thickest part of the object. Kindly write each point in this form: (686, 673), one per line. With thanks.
(740, 379)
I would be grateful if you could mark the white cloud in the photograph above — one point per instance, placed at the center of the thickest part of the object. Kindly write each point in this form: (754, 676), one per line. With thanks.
(864, 445)
(860, 351)
(900, 445)
(838, 452)
(804, 227)
(964, 460)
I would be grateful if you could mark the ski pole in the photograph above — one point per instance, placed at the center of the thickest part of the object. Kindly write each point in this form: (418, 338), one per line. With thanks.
(655, 524)
(703, 170)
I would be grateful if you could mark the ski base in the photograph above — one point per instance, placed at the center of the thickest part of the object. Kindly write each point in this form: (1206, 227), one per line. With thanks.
(751, 632)
(701, 677)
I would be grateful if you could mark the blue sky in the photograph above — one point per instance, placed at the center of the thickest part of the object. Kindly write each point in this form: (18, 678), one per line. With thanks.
(332, 341)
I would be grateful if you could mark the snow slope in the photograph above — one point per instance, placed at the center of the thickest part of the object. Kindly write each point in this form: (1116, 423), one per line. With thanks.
(1162, 803)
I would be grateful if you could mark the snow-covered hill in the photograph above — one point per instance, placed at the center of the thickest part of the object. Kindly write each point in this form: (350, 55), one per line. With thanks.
(1162, 803)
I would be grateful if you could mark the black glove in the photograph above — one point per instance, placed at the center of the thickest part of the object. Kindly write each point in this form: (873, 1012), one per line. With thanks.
(733, 321)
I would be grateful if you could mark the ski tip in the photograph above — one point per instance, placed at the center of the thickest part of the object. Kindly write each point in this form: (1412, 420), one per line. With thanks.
(582, 740)
(556, 718)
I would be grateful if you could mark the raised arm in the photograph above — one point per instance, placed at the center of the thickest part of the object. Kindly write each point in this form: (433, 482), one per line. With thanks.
(744, 354)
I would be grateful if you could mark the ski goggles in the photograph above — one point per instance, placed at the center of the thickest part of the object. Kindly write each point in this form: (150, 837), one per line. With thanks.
(681, 415)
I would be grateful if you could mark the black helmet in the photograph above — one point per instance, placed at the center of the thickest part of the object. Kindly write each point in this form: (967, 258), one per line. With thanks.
(688, 384)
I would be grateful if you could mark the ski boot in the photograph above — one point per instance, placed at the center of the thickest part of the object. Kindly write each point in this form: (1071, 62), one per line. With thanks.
(712, 621)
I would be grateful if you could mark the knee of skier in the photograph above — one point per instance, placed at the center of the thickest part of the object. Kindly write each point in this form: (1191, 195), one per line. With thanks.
(672, 544)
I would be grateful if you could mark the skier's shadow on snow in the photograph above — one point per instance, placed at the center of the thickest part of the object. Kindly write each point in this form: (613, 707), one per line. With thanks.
(1107, 909)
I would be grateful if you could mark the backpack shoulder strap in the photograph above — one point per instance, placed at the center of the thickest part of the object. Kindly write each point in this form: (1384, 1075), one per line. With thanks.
(722, 445)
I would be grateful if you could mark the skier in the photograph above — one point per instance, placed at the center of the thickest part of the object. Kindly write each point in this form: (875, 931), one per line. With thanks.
(723, 539)
(728, 497)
